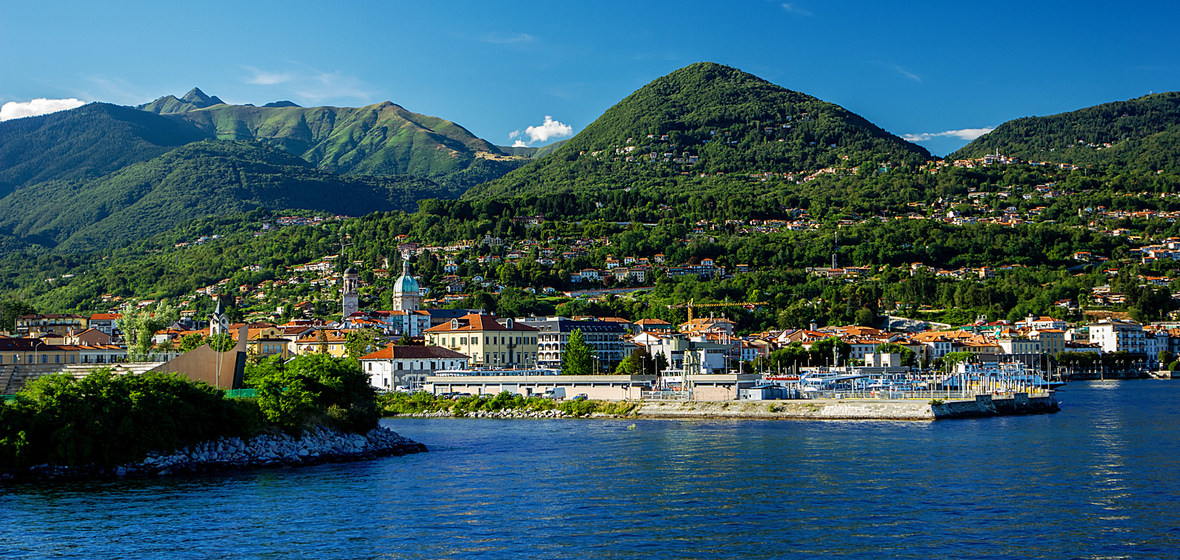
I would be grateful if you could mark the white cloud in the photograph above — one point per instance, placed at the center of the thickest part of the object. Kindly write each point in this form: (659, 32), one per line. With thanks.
(961, 134)
(549, 129)
(908, 74)
(264, 78)
(506, 38)
(519, 144)
(309, 85)
(795, 9)
(16, 110)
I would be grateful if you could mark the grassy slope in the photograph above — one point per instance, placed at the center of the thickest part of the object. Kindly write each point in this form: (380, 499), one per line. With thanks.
(377, 139)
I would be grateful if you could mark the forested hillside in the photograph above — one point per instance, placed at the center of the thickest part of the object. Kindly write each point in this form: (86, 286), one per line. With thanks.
(1141, 134)
(707, 119)
(84, 143)
(203, 178)
(380, 139)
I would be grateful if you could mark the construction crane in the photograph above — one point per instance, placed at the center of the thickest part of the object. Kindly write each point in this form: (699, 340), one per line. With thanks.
(691, 304)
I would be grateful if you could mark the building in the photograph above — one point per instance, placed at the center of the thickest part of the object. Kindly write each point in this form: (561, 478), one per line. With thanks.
(605, 339)
(490, 341)
(27, 351)
(51, 324)
(219, 320)
(105, 322)
(406, 367)
(534, 383)
(671, 345)
(322, 341)
(407, 295)
(267, 341)
(350, 295)
(1119, 336)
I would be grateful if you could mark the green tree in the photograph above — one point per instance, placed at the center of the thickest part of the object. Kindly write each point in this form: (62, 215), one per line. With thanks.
(191, 341)
(661, 363)
(139, 324)
(362, 342)
(316, 389)
(577, 358)
(10, 310)
(221, 342)
(633, 363)
(866, 317)
(907, 355)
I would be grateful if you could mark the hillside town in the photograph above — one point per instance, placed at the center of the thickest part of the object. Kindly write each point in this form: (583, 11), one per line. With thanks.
(405, 347)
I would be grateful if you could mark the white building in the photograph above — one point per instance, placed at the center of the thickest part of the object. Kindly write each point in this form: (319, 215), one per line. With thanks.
(1119, 336)
(395, 366)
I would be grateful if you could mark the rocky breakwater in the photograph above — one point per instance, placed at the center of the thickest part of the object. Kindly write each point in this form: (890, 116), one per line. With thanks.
(320, 445)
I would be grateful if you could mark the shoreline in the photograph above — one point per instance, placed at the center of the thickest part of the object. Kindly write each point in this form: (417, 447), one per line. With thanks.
(982, 406)
(264, 451)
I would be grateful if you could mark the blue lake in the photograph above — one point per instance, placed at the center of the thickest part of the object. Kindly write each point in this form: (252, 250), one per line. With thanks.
(1097, 480)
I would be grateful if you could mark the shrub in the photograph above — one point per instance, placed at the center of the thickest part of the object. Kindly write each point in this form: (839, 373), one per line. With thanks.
(109, 419)
(314, 390)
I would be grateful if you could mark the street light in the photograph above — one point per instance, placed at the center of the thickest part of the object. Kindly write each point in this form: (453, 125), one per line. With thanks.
(36, 342)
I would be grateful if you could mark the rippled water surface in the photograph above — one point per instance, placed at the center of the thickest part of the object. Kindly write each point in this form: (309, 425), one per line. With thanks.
(1097, 480)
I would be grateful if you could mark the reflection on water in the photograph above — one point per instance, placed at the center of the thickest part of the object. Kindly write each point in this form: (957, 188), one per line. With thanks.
(1094, 481)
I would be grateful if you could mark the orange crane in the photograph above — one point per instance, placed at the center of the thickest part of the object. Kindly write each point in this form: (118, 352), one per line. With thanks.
(691, 304)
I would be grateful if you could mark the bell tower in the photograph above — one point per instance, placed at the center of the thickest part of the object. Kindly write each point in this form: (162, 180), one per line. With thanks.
(350, 293)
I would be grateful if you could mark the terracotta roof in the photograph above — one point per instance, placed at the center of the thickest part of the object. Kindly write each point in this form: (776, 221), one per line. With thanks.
(473, 322)
(106, 316)
(395, 352)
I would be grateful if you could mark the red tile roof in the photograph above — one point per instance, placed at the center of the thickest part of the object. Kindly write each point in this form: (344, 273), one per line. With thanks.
(395, 352)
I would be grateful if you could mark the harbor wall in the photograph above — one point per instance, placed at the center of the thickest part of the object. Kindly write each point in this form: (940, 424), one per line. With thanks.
(853, 409)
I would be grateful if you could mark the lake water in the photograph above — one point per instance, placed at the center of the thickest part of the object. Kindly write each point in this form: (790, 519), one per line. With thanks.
(1097, 480)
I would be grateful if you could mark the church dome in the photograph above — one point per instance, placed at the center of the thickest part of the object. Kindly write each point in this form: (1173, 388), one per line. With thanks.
(405, 283)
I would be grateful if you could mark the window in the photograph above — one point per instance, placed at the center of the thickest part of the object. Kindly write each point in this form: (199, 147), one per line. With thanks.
(463, 341)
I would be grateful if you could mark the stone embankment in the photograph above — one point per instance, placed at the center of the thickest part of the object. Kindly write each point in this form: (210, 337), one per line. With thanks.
(267, 450)
(813, 409)
(505, 413)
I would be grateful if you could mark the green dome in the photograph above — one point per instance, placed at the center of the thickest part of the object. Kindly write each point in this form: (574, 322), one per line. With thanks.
(405, 283)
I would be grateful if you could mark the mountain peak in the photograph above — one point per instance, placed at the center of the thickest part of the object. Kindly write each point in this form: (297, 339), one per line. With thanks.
(198, 98)
(193, 100)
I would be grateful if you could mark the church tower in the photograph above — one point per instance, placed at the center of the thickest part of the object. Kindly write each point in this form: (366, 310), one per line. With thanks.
(406, 296)
(350, 293)
(219, 321)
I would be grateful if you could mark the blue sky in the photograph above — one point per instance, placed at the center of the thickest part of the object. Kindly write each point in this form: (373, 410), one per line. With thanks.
(923, 69)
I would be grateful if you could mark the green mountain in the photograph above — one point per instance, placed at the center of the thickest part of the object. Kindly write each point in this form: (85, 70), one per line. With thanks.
(1141, 133)
(531, 152)
(706, 119)
(212, 177)
(193, 100)
(84, 143)
(380, 139)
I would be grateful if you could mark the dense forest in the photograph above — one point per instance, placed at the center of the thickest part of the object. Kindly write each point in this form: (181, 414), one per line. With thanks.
(716, 119)
(1141, 134)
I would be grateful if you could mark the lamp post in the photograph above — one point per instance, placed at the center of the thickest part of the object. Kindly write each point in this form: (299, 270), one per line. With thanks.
(36, 343)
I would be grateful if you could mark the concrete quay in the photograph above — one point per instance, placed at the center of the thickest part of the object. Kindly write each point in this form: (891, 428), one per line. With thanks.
(855, 409)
